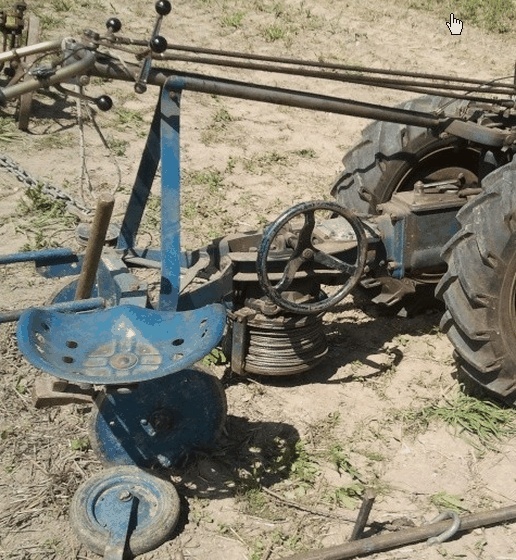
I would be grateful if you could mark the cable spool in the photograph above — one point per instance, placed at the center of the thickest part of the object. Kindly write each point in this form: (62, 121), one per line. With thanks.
(276, 346)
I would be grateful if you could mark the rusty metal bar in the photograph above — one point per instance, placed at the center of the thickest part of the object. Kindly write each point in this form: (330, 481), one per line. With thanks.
(93, 252)
(109, 68)
(76, 68)
(363, 514)
(309, 63)
(45, 47)
(443, 89)
(380, 543)
(268, 94)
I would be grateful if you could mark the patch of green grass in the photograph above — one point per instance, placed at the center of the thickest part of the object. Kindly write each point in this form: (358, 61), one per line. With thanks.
(215, 357)
(274, 32)
(91, 4)
(307, 153)
(152, 216)
(56, 140)
(209, 177)
(375, 456)
(340, 459)
(49, 20)
(346, 496)
(303, 468)
(485, 420)
(254, 502)
(495, 16)
(233, 20)
(21, 386)
(260, 163)
(42, 215)
(80, 444)
(118, 146)
(218, 125)
(62, 5)
(222, 117)
(128, 117)
(445, 501)
(8, 130)
(42, 210)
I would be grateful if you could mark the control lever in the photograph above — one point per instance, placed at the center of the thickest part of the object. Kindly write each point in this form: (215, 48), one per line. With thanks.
(103, 103)
(157, 44)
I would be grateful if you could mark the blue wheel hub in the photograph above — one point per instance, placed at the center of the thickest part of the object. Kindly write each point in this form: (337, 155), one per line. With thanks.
(159, 422)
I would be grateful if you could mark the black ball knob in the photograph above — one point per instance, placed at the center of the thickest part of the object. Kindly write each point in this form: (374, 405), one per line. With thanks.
(163, 7)
(158, 44)
(104, 103)
(114, 24)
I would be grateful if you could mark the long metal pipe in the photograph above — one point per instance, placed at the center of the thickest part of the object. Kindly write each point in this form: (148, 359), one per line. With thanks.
(308, 63)
(379, 543)
(254, 92)
(109, 68)
(81, 66)
(22, 52)
(443, 89)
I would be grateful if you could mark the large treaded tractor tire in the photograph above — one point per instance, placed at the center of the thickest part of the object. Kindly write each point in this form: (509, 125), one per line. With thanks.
(479, 288)
(391, 157)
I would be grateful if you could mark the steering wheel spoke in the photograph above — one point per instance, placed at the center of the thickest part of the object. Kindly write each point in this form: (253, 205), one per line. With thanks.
(305, 235)
(289, 274)
(345, 270)
(331, 262)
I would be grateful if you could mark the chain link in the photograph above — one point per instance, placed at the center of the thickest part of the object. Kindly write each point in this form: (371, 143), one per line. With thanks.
(73, 206)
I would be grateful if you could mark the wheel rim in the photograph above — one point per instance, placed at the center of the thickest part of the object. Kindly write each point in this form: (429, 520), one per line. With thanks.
(441, 164)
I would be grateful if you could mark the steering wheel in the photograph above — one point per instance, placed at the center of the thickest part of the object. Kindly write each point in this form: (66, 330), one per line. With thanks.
(306, 254)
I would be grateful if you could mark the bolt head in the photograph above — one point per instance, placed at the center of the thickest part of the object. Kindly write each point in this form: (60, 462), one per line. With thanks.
(125, 496)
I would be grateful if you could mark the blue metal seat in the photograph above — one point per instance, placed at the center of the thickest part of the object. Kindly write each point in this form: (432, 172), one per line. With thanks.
(120, 345)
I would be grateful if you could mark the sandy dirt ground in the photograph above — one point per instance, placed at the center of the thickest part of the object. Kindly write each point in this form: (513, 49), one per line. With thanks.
(296, 455)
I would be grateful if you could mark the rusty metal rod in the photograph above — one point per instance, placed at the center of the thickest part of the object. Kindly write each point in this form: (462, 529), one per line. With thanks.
(77, 68)
(444, 89)
(312, 63)
(108, 68)
(93, 252)
(363, 514)
(380, 543)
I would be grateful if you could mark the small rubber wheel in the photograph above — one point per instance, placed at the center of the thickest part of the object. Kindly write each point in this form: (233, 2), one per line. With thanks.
(95, 508)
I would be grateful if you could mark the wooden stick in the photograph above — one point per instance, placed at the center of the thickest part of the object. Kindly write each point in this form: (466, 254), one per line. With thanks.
(93, 252)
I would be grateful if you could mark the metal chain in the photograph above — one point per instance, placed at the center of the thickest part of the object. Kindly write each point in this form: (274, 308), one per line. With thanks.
(73, 206)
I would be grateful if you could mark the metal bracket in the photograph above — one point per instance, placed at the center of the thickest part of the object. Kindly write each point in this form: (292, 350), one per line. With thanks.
(117, 541)
(53, 392)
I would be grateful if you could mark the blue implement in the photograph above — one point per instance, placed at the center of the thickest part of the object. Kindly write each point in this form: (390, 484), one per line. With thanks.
(160, 422)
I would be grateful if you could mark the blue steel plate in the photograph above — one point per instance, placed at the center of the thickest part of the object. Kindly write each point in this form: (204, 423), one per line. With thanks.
(160, 422)
(120, 345)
